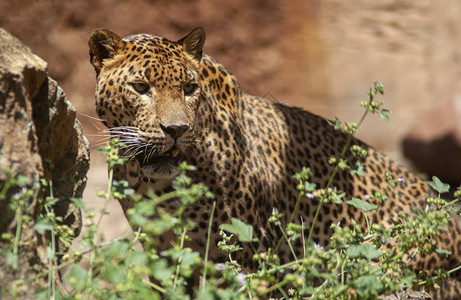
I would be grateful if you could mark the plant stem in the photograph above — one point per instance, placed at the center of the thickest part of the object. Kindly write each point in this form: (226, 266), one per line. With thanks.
(51, 268)
(298, 200)
(288, 241)
(205, 261)
(178, 267)
(18, 236)
(95, 242)
(155, 286)
(51, 260)
(333, 175)
(276, 286)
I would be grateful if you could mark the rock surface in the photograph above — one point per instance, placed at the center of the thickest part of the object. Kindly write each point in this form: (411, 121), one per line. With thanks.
(39, 138)
(434, 144)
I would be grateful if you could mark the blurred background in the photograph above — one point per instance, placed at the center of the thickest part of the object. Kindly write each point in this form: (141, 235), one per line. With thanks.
(322, 55)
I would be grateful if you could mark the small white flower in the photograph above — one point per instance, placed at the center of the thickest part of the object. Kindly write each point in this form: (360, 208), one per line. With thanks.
(366, 197)
(241, 278)
(318, 247)
(219, 267)
(310, 196)
(401, 179)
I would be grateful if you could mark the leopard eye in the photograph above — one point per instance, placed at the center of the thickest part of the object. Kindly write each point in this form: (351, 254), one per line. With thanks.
(141, 88)
(189, 88)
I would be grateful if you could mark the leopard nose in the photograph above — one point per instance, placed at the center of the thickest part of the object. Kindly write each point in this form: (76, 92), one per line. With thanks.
(175, 131)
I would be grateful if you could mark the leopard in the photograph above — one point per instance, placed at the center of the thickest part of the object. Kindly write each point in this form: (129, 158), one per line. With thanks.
(169, 102)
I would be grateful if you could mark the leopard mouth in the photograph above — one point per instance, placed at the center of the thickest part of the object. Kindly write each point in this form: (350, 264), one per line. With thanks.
(170, 157)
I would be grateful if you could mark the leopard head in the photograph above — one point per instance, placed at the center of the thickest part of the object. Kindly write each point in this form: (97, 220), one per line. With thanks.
(147, 93)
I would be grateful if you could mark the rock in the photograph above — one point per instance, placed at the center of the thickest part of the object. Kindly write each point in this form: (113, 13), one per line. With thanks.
(39, 138)
(434, 144)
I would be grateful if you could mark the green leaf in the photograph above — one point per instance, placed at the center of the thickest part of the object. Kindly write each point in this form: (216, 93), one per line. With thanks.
(50, 201)
(366, 251)
(309, 187)
(205, 295)
(137, 219)
(158, 226)
(363, 205)
(358, 170)
(337, 198)
(370, 252)
(442, 228)
(117, 249)
(22, 181)
(442, 251)
(177, 292)
(115, 274)
(303, 175)
(121, 189)
(43, 225)
(384, 114)
(138, 258)
(11, 259)
(354, 251)
(187, 256)
(368, 286)
(161, 270)
(190, 258)
(336, 123)
(240, 229)
(145, 208)
(438, 185)
(77, 277)
(50, 253)
(78, 202)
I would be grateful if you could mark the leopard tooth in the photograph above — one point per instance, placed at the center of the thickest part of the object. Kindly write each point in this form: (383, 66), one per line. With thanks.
(175, 153)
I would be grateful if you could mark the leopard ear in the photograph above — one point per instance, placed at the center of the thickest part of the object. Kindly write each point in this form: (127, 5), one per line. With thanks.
(193, 43)
(103, 44)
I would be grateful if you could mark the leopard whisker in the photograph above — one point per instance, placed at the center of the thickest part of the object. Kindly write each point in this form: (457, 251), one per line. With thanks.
(151, 153)
(138, 150)
(123, 133)
(91, 117)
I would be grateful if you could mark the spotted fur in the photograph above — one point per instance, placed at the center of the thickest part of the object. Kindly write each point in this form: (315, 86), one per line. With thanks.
(169, 102)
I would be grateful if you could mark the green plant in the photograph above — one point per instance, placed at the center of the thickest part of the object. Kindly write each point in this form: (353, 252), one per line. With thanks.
(358, 262)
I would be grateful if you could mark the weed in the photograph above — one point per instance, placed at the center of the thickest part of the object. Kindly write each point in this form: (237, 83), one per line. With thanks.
(358, 262)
